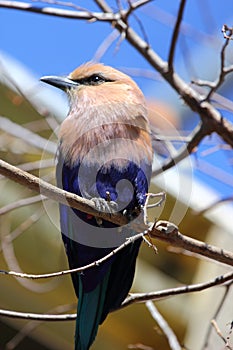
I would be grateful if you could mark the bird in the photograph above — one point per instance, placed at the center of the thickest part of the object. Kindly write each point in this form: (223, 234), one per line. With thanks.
(104, 154)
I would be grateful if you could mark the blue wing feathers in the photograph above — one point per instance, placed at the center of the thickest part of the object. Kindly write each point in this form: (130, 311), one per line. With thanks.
(102, 288)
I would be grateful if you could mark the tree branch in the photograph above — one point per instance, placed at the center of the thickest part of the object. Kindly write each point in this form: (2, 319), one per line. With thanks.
(70, 199)
(143, 297)
(197, 135)
(207, 337)
(78, 269)
(169, 233)
(212, 119)
(161, 230)
(27, 136)
(208, 114)
(37, 317)
(164, 326)
(219, 333)
(224, 71)
(134, 298)
(21, 203)
(175, 36)
(51, 11)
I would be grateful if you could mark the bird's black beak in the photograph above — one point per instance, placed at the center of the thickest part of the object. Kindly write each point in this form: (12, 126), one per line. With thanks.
(63, 83)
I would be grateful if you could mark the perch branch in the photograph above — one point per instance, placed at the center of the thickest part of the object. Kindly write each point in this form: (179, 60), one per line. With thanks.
(134, 298)
(164, 326)
(162, 230)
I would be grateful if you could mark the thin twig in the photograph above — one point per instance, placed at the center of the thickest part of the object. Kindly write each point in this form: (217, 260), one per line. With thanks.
(223, 71)
(169, 233)
(219, 333)
(164, 326)
(139, 346)
(57, 12)
(21, 203)
(175, 36)
(27, 136)
(134, 298)
(24, 226)
(37, 317)
(30, 326)
(227, 32)
(76, 270)
(219, 308)
(142, 297)
(13, 264)
(198, 133)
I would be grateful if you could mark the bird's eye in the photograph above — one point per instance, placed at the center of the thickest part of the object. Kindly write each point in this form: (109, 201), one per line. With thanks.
(95, 78)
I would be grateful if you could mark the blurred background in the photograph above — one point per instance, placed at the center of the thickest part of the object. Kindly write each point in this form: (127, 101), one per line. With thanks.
(34, 45)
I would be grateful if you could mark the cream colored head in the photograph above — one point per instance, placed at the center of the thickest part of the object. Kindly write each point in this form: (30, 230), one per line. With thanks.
(104, 104)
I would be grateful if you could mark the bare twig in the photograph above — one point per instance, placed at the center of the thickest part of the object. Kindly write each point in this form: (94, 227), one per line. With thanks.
(199, 132)
(61, 3)
(169, 233)
(162, 230)
(227, 32)
(38, 164)
(52, 11)
(164, 326)
(223, 299)
(12, 263)
(24, 226)
(21, 203)
(224, 71)
(219, 333)
(139, 346)
(30, 326)
(28, 136)
(37, 317)
(175, 36)
(212, 119)
(79, 269)
(142, 297)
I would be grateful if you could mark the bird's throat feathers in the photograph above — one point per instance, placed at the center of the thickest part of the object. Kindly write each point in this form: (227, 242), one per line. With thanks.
(105, 128)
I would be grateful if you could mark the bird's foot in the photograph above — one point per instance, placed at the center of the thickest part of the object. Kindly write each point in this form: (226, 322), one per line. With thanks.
(133, 214)
(105, 206)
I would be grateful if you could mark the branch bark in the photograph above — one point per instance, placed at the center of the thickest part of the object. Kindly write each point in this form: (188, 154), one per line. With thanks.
(161, 230)
(134, 298)
(211, 117)
(54, 193)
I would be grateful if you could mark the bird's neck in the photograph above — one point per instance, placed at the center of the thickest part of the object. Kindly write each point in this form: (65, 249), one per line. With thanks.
(96, 132)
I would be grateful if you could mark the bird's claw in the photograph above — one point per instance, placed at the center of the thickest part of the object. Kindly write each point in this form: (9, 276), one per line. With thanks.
(105, 206)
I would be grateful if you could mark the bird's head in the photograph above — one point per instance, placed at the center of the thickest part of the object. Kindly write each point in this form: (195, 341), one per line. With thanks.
(95, 79)
(105, 105)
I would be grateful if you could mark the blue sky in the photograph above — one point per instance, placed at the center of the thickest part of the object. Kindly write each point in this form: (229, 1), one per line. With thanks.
(50, 45)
